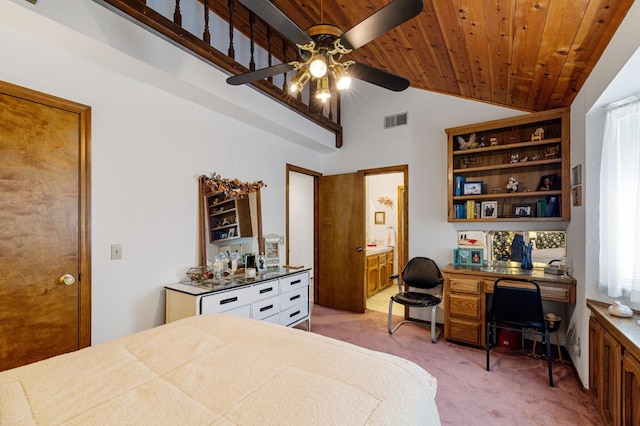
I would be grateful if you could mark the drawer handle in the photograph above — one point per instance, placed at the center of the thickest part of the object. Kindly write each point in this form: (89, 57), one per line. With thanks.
(294, 314)
(266, 308)
(296, 282)
(266, 290)
(229, 300)
(297, 296)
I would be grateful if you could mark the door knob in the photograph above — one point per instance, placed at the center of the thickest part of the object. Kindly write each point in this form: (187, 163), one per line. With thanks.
(67, 279)
(360, 249)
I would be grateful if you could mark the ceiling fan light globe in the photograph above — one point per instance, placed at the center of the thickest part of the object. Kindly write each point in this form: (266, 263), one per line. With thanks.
(318, 66)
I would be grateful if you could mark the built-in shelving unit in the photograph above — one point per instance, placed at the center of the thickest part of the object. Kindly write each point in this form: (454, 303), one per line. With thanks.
(483, 157)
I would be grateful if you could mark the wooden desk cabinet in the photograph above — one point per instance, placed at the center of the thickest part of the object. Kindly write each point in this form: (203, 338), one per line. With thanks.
(614, 366)
(465, 294)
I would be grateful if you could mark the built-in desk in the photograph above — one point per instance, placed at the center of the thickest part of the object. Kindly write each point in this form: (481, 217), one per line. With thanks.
(466, 289)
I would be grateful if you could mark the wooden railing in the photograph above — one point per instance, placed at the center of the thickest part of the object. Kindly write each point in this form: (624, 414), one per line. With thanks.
(256, 33)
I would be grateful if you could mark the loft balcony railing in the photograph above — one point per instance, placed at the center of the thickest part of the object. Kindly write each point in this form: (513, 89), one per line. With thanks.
(234, 39)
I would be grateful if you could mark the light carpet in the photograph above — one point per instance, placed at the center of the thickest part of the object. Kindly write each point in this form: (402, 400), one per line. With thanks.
(515, 392)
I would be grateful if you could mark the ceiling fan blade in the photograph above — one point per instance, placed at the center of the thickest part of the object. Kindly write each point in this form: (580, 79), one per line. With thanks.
(277, 20)
(378, 77)
(251, 76)
(385, 19)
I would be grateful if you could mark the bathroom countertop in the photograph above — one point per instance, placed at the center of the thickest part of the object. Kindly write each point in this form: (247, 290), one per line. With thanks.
(372, 250)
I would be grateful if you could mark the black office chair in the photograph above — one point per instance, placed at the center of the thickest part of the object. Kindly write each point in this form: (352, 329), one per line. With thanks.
(516, 306)
(423, 273)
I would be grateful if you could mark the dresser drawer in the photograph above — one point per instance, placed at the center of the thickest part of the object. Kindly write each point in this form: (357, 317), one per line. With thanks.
(293, 314)
(293, 298)
(294, 282)
(265, 290)
(466, 306)
(221, 302)
(465, 285)
(265, 308)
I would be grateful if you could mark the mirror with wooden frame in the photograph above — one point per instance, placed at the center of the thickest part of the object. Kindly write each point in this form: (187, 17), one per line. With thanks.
(229, 222)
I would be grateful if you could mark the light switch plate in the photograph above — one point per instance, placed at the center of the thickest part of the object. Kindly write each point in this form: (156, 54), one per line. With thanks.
(116, 251)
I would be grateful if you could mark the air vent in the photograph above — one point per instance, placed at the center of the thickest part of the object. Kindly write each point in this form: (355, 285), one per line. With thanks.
(395, 120)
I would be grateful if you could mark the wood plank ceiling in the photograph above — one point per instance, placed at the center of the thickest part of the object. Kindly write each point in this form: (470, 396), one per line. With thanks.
(532, 55)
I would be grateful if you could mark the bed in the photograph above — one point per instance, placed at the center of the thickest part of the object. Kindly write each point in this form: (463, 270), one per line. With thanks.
(220, 370)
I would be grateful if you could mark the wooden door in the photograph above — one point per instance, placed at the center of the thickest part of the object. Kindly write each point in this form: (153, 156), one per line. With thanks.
(341, 242)
(44, 226)
(630, 390)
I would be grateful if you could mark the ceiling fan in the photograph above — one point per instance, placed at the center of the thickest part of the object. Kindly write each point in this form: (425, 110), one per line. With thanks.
(322, 46)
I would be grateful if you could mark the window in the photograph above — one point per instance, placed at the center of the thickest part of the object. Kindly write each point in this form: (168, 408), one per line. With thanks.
(620, 201)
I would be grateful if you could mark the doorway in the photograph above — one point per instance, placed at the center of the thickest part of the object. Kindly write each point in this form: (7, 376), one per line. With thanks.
(384, 218)
(349, 281)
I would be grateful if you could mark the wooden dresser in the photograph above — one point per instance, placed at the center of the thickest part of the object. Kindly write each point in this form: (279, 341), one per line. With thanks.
(614, 365)
(466, 290)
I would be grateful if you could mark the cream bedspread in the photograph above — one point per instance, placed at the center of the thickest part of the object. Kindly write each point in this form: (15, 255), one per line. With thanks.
(220, 370)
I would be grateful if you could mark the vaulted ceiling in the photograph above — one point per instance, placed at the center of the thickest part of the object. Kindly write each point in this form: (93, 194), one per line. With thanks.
(528, 54)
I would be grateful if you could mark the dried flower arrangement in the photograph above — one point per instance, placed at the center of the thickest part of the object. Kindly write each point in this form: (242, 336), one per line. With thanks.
(386, 201)
(231, 187)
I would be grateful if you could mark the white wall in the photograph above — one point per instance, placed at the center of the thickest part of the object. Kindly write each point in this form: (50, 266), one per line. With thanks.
(422, 144)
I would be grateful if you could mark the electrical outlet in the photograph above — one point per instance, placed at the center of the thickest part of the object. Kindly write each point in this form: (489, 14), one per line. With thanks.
(116, 251)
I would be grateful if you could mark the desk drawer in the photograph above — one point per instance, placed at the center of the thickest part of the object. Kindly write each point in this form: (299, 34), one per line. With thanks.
(557, 292)
(465, 285)
(465, 331)
(466, 306)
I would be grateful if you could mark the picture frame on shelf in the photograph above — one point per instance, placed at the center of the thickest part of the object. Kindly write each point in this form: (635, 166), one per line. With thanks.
(489, 210)
(461, 257)
(477, 257)
(232, 232)
(549, 182)
(472, 188)
(524, 210)
(379, 218)
(261, 263)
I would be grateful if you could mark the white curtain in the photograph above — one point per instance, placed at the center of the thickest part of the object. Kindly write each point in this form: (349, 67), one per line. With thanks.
(620, 201)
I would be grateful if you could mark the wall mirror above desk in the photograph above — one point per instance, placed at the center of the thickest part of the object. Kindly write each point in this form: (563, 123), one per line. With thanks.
(505, 247)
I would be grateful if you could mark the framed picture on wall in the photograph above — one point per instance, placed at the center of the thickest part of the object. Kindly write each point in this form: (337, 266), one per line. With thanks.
(379, 218)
